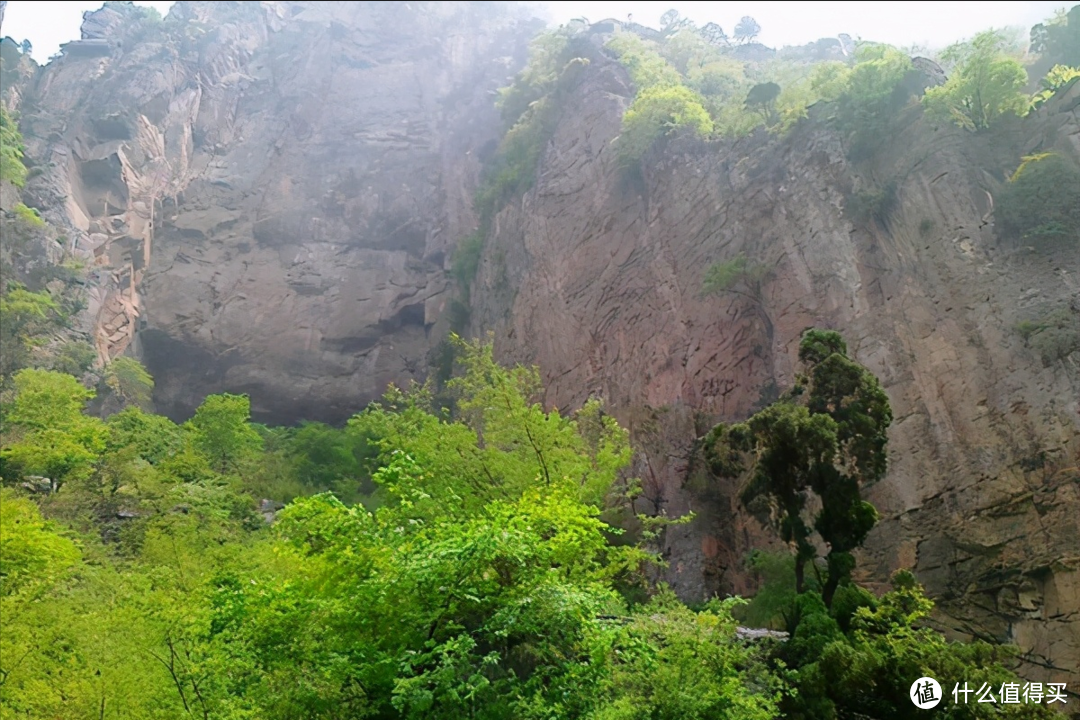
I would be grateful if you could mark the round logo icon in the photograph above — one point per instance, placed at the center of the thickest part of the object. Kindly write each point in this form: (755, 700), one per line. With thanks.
(925, 693)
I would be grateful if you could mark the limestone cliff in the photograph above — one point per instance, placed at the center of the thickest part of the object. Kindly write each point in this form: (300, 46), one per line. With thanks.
(269, 193)
(268, 190)
(595, 275)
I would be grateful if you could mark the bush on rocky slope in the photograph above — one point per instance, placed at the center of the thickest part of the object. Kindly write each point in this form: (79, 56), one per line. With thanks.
(1041, 202)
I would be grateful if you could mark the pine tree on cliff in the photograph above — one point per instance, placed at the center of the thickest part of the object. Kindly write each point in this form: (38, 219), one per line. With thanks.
(827, 437)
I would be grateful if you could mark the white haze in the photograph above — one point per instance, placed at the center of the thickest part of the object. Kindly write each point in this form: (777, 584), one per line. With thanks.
(923, 24)
(926, 24)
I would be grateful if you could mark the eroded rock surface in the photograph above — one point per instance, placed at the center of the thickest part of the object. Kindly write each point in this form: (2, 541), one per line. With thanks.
(269, 192)
(596, 277)
(269, 189)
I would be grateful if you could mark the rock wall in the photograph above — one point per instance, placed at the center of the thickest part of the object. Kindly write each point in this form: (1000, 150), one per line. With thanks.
(268, 190)
(268, 193)
(595, 275)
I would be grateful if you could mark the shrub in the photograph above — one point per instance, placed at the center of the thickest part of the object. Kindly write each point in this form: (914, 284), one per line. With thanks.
(25, 319)
(722, 79)
(866, 206)
(548, 54)
(1041, 201)
(29, 217)
(12, 168)
(1054, 335)
(661, 111)
(130, 381)
(726, 276)
(530, 107)
(875, 92)
(74, 358)
(830, 80)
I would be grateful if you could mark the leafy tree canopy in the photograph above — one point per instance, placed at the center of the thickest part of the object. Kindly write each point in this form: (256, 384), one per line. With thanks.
(826, 437)
(747, 29)
(986, 83)
(659, 112)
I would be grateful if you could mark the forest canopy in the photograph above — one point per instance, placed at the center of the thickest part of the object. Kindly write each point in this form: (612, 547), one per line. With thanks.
(481, 561)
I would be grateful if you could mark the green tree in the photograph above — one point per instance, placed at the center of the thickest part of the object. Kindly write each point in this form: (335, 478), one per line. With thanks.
(658, 112)
(830, 80)
(826, 437)
(867, 670)
(130, 382)
(742, 277)
(875, 93)
(24, 317)
(714, 34)
(671, 662)
(32, 552)
(46, 432)
(985, 84)
(74, 358)
(471, 592)
(152, 437)
(326, 456)
(642, 59)
(746, 30)
(221, 431)
(762, 100)
(502, 442)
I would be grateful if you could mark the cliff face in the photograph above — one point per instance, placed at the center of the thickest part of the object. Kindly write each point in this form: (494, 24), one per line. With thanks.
(268, 193)
(268, 190)
(596, 277)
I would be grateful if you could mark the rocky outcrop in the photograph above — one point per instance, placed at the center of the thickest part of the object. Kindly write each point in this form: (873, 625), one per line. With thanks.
(595, 275)
(268, 191)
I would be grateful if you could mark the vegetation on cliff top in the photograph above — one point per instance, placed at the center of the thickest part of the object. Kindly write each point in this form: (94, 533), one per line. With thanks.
(694, 80)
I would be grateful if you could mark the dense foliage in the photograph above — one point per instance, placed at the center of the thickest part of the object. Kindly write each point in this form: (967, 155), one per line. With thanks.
(25, 317)
(985, 83)
(1041, 202)
(530, 108)
(849, 654)
(827, 438)
(661, 111)
(857, 659)
(12, 168)
(479, 580)
(428, 565)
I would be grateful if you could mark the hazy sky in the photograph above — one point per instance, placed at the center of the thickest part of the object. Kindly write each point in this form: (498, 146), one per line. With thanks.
(936, 24)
